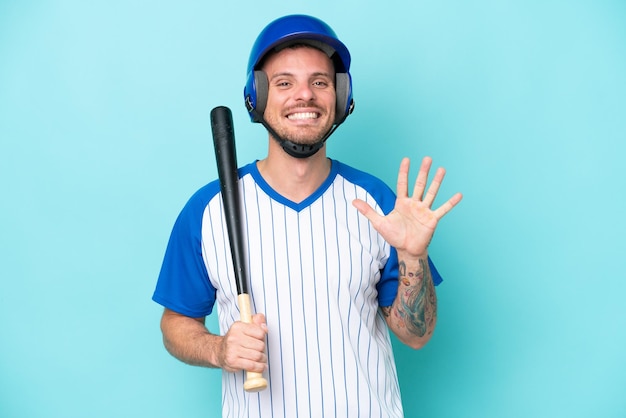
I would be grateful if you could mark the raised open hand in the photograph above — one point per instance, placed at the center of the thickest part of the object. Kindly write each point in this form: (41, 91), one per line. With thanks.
(410, 226)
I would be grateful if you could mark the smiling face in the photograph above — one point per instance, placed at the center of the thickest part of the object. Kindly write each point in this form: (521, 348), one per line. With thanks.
(301, 97)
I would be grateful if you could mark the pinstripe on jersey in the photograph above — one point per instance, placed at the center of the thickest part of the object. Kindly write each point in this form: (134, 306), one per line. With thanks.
(318, 271)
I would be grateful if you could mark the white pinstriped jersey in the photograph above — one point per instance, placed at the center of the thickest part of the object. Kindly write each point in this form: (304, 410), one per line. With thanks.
(319, 272)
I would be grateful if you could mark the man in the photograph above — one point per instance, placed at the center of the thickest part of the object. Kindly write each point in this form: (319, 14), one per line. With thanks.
(335, 258)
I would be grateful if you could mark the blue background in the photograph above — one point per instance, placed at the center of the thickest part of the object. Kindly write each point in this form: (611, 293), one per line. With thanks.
(104, 130)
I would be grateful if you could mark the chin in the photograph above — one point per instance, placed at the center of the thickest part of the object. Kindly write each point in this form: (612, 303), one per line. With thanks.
(307, 138)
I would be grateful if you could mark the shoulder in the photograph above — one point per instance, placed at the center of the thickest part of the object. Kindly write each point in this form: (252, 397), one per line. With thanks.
(198, 202)
(201, 198)
(374, 188)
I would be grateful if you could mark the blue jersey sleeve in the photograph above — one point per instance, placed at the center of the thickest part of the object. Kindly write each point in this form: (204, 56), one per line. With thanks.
(183, 285)
(388, 285)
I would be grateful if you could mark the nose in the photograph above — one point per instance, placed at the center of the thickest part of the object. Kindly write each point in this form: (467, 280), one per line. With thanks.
(304, 92)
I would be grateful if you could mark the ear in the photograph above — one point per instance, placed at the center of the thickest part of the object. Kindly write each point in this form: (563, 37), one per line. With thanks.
(343, 91)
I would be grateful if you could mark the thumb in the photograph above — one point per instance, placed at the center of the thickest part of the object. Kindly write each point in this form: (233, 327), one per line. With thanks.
(259, 319)
(366, 210)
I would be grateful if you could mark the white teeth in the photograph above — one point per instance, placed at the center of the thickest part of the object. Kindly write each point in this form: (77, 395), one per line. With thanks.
(302, 116)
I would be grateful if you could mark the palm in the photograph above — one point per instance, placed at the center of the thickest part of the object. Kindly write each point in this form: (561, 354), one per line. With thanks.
(411, 224)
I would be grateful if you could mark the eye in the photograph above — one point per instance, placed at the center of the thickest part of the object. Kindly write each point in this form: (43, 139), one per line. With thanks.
(320, 83)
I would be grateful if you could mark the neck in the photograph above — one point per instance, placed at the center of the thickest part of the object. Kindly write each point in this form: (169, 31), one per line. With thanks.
(294, 178)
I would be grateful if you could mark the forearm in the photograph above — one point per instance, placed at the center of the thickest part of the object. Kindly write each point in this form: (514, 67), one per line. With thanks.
(189, 340)
(413, 314)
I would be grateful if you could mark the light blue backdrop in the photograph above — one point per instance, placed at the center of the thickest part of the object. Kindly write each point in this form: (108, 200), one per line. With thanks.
(104, 130)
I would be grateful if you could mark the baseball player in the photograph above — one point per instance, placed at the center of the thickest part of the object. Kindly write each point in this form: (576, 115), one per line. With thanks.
(337, 260)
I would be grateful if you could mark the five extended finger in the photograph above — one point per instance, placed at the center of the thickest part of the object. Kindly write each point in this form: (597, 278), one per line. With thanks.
(366, 210)
(402, 186)
(447, 206)
(422, 178)
(431, 194)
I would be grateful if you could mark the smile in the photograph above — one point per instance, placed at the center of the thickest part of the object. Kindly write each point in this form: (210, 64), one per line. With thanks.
(302, 116)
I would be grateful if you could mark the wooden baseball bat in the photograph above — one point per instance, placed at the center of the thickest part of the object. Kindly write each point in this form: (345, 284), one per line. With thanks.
(226, 156)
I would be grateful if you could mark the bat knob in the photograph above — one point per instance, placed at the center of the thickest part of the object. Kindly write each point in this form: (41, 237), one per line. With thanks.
(254, 382)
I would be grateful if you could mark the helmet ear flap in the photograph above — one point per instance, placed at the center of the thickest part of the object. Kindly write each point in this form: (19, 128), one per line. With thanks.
(255, 94)
(343, 91)
(262, 87)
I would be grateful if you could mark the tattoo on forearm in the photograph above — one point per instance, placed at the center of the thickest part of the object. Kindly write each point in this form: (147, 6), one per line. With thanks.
(417, 302)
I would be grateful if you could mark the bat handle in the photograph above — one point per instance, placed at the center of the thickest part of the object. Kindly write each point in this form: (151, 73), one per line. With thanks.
(254, 381)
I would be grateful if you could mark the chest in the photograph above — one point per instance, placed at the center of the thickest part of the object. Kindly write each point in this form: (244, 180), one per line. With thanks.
(325, 256)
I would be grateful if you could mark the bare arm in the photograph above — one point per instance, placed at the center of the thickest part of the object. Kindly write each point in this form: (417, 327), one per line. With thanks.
(188, 339)
(413, 314)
